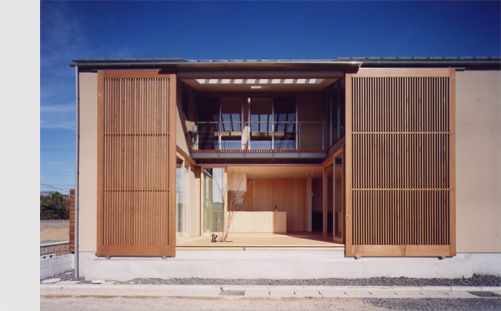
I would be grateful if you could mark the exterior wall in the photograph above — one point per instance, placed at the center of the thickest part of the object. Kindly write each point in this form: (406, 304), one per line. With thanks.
(478, 161)
(181, 125)
(478, 168)
(193, 175)
(87, 198)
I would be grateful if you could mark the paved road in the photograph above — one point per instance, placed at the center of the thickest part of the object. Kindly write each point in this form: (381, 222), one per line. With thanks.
(80, 303)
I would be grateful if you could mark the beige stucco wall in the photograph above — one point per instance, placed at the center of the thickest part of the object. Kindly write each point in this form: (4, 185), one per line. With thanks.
(87, 199)
(181, 129)
(478, 161)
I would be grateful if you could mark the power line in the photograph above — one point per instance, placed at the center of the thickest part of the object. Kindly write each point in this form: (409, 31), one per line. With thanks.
(56, 188)
(61, 187)
(61, 175)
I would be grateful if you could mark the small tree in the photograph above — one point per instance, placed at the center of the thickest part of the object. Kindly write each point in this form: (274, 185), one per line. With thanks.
(235, 200)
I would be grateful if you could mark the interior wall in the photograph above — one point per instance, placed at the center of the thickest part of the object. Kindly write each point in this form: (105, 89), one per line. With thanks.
(288, 194)
(478, 164)
(87, 180)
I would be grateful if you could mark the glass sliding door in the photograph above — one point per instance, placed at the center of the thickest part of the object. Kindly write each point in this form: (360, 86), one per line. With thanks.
(208, 124)
(261, 123)
(284, 136)
(213, 199)
(181, 172)
(231, 123)
(270, 123)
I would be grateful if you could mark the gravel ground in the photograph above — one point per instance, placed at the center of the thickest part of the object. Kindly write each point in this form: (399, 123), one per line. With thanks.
(436, 304)
(219, 304)
(476, 280)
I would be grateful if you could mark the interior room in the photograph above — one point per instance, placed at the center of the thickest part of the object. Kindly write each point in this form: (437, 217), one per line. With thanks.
(264, 206)
(264, 200)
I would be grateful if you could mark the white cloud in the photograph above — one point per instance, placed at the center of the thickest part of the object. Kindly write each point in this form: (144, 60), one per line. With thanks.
(57, 124)
(65, 108)
(57, 116)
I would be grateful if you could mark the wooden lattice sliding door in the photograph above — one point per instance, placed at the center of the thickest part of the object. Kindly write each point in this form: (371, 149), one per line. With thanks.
(136, 163)
(400, 178)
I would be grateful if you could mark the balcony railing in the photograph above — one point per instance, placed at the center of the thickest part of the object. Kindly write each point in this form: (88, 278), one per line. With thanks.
(259, 135)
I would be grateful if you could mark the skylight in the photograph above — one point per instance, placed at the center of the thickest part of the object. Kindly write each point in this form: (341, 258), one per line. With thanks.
(260, 81)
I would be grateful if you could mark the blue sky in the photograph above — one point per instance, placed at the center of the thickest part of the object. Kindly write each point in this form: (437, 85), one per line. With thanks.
(215, 30)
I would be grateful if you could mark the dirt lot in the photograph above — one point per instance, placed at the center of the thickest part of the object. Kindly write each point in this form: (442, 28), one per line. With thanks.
(54, 230)
(55, 303)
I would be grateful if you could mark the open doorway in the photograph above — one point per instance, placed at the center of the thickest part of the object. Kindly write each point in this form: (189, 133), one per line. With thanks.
(273, 211)
(278, 131)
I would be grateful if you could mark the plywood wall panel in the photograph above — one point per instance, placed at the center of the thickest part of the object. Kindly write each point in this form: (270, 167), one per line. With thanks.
(288, 194)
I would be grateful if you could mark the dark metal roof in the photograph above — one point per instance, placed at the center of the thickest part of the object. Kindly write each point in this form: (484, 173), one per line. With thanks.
(210, 61)
(452, 62)
(180, 64)
(338, 62)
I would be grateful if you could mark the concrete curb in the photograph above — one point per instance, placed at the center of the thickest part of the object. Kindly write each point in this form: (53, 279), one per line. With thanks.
(261, 291)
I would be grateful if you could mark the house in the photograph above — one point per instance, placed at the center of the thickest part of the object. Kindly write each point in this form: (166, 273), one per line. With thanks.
(307, 164)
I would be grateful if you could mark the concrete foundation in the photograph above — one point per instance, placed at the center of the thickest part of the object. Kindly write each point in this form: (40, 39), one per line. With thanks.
(58, 264)
(284, 264)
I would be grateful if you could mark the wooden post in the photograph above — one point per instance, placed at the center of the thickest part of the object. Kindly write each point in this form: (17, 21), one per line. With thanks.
(347, 153)
(309, 196)
(343, 196)
(334, 198)
(324, 201)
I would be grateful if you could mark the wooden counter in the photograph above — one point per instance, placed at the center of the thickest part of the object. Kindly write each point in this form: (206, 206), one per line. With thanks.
(257, 221)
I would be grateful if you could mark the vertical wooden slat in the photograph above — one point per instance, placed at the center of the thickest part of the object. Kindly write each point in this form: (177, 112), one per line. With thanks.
(400, 190)
(136, 201)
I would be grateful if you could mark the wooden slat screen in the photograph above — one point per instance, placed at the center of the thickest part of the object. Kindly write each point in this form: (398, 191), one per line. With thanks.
(137, 157)
(401, 170)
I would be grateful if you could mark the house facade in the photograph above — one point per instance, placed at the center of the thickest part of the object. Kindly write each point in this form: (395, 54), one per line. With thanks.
(381, 158)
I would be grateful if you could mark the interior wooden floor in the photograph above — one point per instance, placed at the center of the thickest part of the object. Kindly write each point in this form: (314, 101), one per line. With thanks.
(261, 240)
